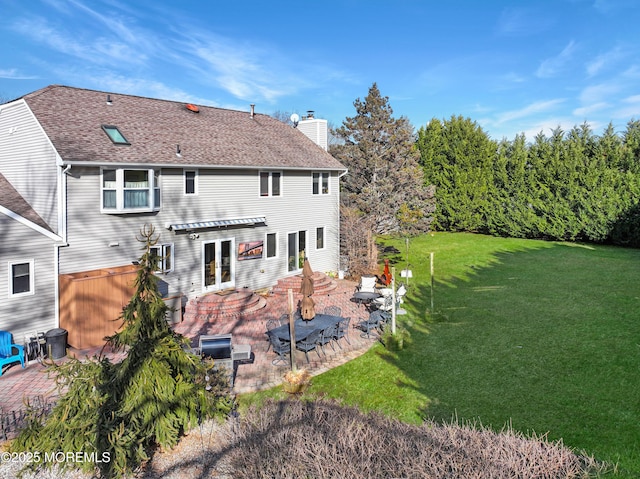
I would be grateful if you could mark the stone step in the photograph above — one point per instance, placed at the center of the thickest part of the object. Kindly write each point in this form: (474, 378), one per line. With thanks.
(233, 303)
(321, 284)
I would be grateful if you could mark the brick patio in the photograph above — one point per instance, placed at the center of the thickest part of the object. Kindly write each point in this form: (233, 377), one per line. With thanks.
(17, 385)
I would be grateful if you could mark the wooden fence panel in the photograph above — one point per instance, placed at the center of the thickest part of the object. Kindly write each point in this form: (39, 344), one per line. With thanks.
(91, 303)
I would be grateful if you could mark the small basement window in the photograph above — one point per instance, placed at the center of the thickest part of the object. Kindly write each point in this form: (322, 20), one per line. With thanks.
(115, 135)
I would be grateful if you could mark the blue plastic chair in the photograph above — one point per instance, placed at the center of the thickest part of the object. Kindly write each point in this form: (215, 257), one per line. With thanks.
(7, 356)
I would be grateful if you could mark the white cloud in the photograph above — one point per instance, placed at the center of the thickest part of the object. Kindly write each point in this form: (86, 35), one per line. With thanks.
(100, 50)
(604, 60)
(12, 74)
(552, 66)
(595, 94)
(630, 108)
(585, 111)
(529, 110)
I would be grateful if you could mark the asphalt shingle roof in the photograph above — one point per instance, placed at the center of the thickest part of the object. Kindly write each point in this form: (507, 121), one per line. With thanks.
(13, 201)
(213, 137)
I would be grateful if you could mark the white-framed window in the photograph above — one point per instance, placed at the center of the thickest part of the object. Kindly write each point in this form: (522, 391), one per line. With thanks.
(130, 190)
(320, 183)
(164, 257)
(271, 243)
(21, 278)
(190, 182)
(270, 183)
(320, 237)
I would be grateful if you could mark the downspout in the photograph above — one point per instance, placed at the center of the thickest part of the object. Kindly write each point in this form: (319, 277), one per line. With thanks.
(62, 232)
(62, 198)
(339, 215)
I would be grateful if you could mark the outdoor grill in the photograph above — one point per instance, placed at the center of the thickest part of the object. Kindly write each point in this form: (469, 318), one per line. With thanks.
(221, 349)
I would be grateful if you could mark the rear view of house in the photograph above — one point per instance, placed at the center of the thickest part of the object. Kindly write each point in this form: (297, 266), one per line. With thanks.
(237, 200)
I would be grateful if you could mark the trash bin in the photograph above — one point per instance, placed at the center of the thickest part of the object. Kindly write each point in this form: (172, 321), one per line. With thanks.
(56, 343)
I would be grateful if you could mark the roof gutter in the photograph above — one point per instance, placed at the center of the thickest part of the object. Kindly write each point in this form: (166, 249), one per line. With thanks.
(203, 166)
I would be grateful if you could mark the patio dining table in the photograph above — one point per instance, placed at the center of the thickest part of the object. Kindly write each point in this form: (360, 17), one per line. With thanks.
(365, 298)
(305, 328)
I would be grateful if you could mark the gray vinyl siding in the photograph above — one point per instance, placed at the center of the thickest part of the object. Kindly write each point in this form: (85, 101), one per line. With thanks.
(222, 194)
(37, 312)
(28, 160)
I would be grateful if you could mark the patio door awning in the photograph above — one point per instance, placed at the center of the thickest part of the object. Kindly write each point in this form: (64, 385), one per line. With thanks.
(231, 222)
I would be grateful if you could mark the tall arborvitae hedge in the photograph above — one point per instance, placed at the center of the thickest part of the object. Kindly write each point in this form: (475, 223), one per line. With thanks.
(114, 414)
(572, 185)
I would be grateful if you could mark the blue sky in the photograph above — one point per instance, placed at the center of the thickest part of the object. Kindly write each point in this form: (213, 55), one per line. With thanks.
(511, 66)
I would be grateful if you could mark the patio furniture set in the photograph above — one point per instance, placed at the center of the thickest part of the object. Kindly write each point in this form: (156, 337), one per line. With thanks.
(329, 327)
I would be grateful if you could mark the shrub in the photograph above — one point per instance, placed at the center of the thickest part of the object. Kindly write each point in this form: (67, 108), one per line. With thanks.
(294, 439)
(395, 342)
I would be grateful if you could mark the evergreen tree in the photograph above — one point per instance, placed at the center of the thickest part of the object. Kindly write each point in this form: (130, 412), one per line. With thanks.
(117, 412)
(385, 181)
(457, 157)
(511, 211)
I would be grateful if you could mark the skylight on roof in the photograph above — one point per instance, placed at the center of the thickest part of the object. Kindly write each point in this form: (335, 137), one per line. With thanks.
(115, 135)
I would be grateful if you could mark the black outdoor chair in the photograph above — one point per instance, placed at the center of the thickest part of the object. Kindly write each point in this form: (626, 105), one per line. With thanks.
(373, 322)
(342, 331)
(333, 311)
(271, 324)
(327, 336)
(280, 347)
(310, 343)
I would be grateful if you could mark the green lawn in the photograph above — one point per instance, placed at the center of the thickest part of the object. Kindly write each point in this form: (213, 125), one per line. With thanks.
(543, 336)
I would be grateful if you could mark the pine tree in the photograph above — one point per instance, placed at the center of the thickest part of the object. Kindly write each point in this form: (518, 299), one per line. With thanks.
(385, 181)
(121, 411)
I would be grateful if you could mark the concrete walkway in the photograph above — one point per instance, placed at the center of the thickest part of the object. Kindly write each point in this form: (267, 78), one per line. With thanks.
(18, 386)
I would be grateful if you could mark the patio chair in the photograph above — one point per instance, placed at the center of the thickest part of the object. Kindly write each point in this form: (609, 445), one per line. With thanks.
(384, 303)
(332, 311)
(280, 347)
(271, 324)
(342, 331)
(327, 336)
(310, 343)
(367, 284)
(373, 322)
(9, 352)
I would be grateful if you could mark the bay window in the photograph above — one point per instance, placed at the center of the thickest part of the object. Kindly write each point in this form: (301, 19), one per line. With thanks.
(130, 190)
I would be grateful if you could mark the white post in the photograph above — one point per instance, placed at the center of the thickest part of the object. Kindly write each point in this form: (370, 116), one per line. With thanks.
(431, 267)
(393, 300)
(292, 331)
